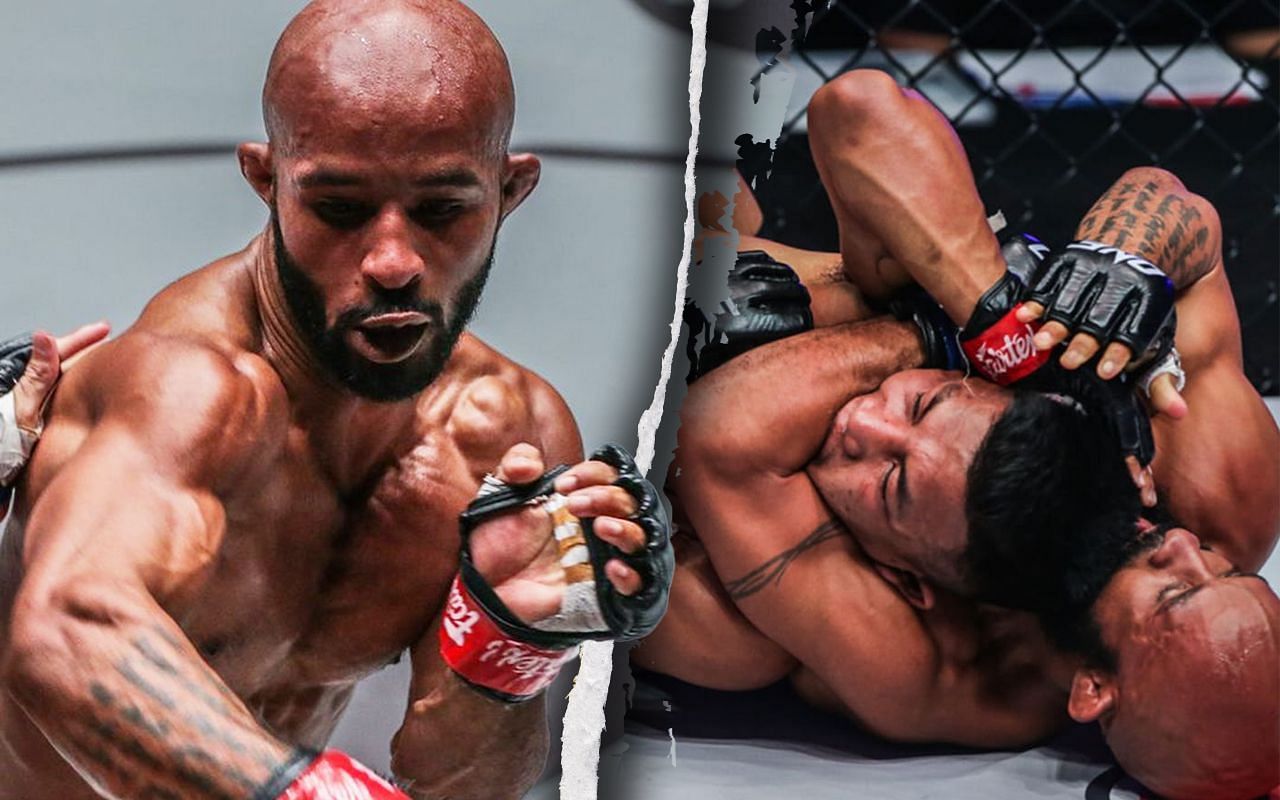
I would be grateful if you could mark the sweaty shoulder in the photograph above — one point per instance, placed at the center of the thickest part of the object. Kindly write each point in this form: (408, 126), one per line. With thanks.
(500, 403)
(205, 412)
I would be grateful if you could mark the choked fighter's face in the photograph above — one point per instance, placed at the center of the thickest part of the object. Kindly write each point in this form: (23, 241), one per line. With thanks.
(893, 467)
(389, 345)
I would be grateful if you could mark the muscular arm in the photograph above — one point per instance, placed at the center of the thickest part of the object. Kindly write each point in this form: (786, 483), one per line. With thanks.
(903, 193)
(456, 742)
(792, 569)
(1217, 466)
(129, 523)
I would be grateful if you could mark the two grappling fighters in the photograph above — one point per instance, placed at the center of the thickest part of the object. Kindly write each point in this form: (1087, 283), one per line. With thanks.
(252, 498)
(837, 531)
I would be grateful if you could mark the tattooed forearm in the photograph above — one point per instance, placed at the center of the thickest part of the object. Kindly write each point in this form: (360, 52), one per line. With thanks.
(770, 572)
(139, 714)
(1150, 213)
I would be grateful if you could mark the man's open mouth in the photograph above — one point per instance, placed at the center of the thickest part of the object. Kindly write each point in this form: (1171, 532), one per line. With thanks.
(388, 338)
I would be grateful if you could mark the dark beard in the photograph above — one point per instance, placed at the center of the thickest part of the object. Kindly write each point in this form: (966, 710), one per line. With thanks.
(373, 381)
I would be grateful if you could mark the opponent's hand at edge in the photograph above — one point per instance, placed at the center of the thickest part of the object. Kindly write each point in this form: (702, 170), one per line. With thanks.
(45, 367)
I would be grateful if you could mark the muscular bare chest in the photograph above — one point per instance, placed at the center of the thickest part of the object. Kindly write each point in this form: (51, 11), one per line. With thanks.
(313, 587)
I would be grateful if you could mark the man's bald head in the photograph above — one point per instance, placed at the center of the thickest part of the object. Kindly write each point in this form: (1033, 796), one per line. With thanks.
(384, 62)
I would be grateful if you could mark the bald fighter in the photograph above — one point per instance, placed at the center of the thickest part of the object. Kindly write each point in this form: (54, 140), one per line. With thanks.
(263, 491)
(773, 483)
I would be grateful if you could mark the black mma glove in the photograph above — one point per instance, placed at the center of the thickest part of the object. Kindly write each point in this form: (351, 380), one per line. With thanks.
(769, 303)
(938, 334)
(14, 355)
(1130, 421)
(999, 346)
(1024, 256)
(493, 650)
(1110, 295)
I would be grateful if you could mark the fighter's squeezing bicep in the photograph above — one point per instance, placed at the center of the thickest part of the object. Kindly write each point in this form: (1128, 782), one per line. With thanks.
(796, 573)
(799, 578)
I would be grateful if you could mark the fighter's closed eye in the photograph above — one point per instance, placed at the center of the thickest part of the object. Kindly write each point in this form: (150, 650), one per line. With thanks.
(1166, 599)
(884, 488)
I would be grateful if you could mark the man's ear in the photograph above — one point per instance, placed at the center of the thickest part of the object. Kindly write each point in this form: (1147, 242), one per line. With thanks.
(255, 166)
(518, 179)
(914, 588)
(1093, 695)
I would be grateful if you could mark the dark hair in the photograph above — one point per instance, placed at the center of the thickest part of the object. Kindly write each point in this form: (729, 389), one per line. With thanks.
(1046, 482)
(1112, 543)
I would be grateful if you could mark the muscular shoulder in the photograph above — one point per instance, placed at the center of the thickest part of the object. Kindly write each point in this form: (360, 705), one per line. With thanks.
(500, 403)
(199, 408)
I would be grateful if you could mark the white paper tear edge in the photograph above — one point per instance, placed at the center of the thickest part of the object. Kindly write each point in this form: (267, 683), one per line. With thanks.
(584, 715)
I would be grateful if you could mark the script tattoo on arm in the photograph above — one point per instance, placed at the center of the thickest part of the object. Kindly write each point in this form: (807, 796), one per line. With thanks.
(771, 571)
(1158, 219)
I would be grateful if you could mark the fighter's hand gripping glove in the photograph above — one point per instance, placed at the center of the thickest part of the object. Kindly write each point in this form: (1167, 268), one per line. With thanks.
(1111, 295)
(330, 775)
(495, 651)
(768, 303)
(996, 343)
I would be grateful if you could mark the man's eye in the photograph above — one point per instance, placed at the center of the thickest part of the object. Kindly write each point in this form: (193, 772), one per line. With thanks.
(435, 212)
(915, 408)
(342, 213)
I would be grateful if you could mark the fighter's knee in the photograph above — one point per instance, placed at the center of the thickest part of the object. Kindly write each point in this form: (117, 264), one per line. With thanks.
(855, 95)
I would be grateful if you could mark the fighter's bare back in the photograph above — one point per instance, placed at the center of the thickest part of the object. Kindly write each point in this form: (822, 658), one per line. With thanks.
(331, 552)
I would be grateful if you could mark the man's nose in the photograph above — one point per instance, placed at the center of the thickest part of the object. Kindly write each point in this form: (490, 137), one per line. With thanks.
(1180, 552)
(391, 261)
(871, 432)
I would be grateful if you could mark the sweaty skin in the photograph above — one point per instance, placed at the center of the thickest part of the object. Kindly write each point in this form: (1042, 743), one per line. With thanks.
(1215, 467)
(933, 223)
(215, 539)
(824, 612)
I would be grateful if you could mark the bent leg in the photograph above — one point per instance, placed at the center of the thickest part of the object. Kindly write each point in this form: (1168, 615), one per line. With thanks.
(902, 191)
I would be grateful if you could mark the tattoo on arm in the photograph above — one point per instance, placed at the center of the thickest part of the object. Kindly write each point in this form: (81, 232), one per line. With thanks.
(156, 722)
(1157, 222)
(770, 572)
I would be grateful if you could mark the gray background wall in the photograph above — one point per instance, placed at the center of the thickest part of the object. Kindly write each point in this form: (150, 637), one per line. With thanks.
(583, 286)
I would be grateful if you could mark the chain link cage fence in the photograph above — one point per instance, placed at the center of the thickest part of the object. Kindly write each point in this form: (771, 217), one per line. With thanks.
(1053, 101)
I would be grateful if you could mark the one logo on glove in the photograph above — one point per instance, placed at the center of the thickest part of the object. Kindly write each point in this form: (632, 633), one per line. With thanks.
(1119, 257)
(475, 648)
(1005, 352)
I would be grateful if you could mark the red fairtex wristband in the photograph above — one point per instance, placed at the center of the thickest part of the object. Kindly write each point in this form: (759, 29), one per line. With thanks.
(1004, 352)
(336, 776)
(475, 648)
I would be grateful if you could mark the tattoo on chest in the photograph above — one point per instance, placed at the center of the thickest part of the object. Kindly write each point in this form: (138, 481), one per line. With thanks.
(771, 571)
